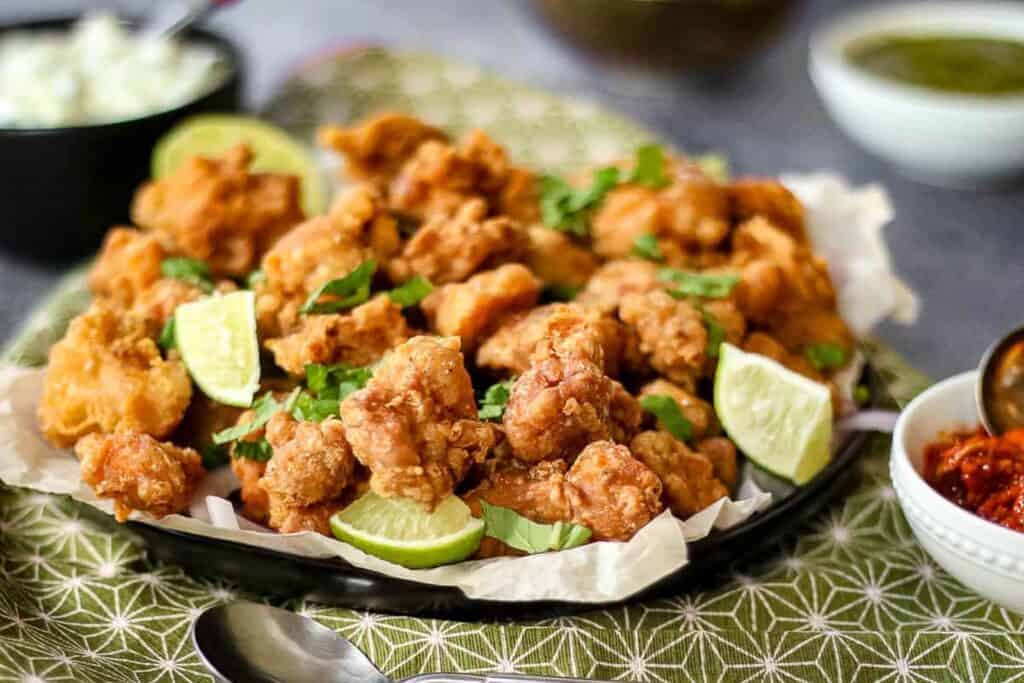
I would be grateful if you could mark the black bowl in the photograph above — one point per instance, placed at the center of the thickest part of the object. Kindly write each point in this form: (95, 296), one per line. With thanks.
(62, 188)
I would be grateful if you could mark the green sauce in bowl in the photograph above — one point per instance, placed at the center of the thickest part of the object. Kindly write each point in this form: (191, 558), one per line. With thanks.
(970, 65)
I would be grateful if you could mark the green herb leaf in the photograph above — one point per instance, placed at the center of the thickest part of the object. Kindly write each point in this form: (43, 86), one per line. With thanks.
(167, 339)
(351, 290)
(650, 167)
(335, 381)
(646, 246)
(264, 407)
(411, 292)
(557, 292)
(861, 394)
(716, 333)
(311, 409)
(190, 270)
(566, 208)
(669, 415)
(258, 450)
(698, 284)
(826, 356)
(495, 398)
(513, 529)
(214, 455)
(255, 278)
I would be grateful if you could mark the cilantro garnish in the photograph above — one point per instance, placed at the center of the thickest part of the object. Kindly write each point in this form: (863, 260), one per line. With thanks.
(650, 167)
(698, 284)
(669, 415)
(716, 333)
(214, 455)
(351, 290)
(190, 270)
(646, 246)
(861, 394)
(335, 381)
(492, 407)
(263, 408)
(511, 528)
(167, 340)
(259, 450)
(826, 356)
(567, 209)
(312, 409)
(411, 292)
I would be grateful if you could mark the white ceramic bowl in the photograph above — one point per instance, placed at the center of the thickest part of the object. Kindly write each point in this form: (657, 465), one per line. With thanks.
(985, 557)
(945, 138)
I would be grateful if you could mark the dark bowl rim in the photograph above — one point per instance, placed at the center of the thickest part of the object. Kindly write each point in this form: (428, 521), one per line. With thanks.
(229, 49)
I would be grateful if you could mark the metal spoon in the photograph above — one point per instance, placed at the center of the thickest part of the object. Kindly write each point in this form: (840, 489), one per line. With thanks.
(171, 18)
(251, 642)
(1000, 389)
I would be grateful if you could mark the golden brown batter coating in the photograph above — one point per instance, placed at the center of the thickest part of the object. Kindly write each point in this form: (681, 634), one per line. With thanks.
(451, 248)
(771, 200)
(696, 410)
(414, 425)
(624, 414)
(671, 333)
(312, 461)
(216, 211)
(616, 279)
(357, 338)
(129, 262)
(288, 519)
(722, 454)
(472, 308)
(138, 472)
(557, 260)
(688, 478)
(376, 148)
(107, 375)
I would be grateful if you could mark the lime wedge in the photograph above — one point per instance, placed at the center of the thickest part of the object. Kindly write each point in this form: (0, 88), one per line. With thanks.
(781, 420)
(401, 531)
(273, 151)
(217, 340)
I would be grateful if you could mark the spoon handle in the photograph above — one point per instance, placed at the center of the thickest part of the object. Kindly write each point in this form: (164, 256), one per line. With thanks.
(494, 678)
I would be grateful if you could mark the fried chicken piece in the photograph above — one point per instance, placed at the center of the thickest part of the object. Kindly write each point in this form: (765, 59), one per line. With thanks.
(415, 423)
(627, 212)
(671, 334)
(696, 410)
(688, 478)
(255, 502)
(128, 264)
(554, 329)
(216, 211)
(799, 331)
(450, 249)
(767, 345)
(759, 290)
(606, 490)
(289, 519)
(616, 279)
(472, 308)
(557, 260)
(204, 418)
(722, 454)
(517, 198)
(357, 338)
(138, 472)
(771, 200)
(624, 414)
(107, 375)
(312, 461)
(357, 228)
(556, 408)
(158, 301)
(375, 148)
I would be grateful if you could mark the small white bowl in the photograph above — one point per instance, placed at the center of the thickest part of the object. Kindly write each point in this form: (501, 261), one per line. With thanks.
(985, 557)
(949, 139)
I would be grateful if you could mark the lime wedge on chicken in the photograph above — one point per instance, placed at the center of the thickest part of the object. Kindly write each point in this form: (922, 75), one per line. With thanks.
(216, 337)
(781, 420)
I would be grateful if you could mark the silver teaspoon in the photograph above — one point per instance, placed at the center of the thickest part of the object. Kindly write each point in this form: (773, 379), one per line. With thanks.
(1000, 389)
(256, 643)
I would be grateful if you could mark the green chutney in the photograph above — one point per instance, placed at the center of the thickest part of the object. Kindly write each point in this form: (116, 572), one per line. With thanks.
(971, 65)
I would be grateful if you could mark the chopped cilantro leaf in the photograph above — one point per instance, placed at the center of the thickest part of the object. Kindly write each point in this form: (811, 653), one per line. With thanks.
(190, 270)
(263, 408)
(646, 246)
(312, 409)
(650, 167)
(669, 415)
(335, 381)
(523, 534)
(716, 334)
(258, 450)
(351, 290)
(698, 284)
(411, 292)
(826, 356)
(214, 455)
(492, 407)
(167, 339)
(861, 394)
(566, 208)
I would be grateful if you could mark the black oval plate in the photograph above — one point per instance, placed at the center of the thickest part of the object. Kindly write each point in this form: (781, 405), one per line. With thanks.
(336, 582)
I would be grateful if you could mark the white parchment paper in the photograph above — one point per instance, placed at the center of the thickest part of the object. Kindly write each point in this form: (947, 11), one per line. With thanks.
(841, 220)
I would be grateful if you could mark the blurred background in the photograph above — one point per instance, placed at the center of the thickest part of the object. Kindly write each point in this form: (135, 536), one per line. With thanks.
(958, 249)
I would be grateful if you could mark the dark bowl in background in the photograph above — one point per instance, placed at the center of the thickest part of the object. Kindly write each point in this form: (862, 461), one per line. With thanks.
(666, 35)
(62, 188)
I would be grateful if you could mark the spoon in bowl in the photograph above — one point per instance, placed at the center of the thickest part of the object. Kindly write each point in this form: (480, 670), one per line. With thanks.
(252, 642)
(1000, 389)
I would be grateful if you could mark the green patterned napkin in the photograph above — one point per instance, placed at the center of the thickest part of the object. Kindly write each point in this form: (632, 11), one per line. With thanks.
(851, 598)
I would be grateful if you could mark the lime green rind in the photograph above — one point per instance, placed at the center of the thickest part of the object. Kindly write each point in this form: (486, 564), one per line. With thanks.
(415, 555)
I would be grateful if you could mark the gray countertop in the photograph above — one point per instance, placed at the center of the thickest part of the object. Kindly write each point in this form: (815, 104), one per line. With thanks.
(959, 250)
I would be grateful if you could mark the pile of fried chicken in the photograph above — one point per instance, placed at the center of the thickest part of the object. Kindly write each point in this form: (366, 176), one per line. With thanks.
(573, 443)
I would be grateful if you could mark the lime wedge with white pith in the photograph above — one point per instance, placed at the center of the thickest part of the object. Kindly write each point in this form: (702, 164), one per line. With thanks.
(402, 531)
(781, 420)
(274, 151)
(217, 340)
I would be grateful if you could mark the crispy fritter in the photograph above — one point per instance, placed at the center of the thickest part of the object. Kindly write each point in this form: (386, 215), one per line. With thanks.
(616, 279)
(128, 264)
(138, 472)
(671, 333)
(472, 308)
(217, 211)
(688, 478)
(107, 375)
(556, 408)
(771, 200)
(766, 345)
(538, 492)
(722, 454)
(255, 502)
(415, 423)
(696, 410)
(288, 519)
(374, 149)
(624, 414)
(204, 418)
(798, 331)
(557, 260)
(357, 338)
(451, 248)
(312, 461)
